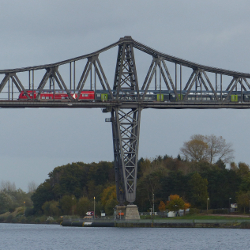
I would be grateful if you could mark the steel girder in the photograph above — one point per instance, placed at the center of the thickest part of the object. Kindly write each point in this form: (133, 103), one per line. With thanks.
(126, 125)
(197, 80)
(126, 130)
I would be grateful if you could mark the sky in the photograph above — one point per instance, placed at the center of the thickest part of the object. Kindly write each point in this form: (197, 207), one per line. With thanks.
(35, 141)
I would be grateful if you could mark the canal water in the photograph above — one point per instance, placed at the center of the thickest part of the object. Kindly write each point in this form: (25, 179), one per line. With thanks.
(43, 237)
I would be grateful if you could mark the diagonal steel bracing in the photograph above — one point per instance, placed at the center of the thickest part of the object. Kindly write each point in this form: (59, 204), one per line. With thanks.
(126, 126)
(126, 129)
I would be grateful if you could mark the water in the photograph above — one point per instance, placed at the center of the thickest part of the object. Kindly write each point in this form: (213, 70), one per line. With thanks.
(44, 237)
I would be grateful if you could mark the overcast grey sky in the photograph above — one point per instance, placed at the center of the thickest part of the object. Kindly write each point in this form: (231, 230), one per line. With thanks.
(35, 141)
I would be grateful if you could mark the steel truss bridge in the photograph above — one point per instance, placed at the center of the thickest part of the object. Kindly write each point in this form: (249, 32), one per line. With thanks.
(168, 82)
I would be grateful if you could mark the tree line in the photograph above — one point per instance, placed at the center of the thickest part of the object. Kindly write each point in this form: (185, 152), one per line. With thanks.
(199, 172)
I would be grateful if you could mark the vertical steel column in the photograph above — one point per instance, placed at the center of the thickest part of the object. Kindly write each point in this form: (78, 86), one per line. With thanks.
(126, 125)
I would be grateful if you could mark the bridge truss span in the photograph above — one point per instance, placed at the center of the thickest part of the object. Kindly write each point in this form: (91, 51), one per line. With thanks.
(162, 82)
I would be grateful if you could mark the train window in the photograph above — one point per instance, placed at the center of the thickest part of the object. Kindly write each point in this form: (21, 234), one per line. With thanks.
(43, 97)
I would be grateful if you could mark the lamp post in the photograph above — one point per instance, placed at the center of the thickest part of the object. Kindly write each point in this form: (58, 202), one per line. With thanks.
(94, 207)
(153, 204)
(249, 206)
(24, 208)
(73, 206)
(229, 204)
(207, 204)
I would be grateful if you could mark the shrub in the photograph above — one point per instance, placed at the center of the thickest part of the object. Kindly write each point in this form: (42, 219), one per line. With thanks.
(29, 211)
(14, 220)
(37, 221)
(194, 211)
(9, 218)
(23, 220)
(11, 209)
(220, 211)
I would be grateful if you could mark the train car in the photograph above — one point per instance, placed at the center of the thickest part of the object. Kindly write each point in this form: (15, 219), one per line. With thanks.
(86, 95)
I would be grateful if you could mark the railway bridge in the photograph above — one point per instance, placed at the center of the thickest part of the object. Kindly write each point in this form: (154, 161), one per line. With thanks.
(81, 82)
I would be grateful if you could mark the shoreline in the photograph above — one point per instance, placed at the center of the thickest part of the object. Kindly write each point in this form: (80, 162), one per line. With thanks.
(181, 223)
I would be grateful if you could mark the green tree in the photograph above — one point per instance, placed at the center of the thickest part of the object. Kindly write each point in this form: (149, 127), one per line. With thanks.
(243, 200)
(42, 194)
(243, 170)
(198, 191)
(83, 206)
(66, 204)
(175, 203)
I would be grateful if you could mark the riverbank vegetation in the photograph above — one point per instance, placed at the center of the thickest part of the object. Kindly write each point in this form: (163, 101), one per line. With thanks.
(198, 178)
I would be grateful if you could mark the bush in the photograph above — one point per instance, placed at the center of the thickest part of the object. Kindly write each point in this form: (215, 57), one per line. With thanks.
(29, 211)
(220, 211)
(11, 209)
(14, 220)
(9, 218)
(2, 219)
(194, 211)
(37, 221)
(23, 220)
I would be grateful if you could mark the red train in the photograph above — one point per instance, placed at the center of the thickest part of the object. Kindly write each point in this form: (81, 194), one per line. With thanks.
(57, 95)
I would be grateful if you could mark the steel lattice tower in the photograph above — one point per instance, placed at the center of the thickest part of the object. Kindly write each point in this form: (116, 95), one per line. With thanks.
(125, 125)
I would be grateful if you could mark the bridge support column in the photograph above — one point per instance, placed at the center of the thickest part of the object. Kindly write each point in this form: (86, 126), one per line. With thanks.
(126, 128)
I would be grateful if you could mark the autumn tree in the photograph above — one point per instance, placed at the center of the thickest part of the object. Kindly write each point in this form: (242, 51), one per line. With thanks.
(175, 203)
(108, 199)
(195, 149)
(207, 148)
(162, 206)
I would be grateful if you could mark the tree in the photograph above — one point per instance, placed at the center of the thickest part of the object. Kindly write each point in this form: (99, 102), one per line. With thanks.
(162, 206)
(218, 149)
(195, 149)
(198, 191)
(108, 199)
(83, 206)
(66, 203)
(32, 187)
(207, 148)
(243, 200)
(42, 194)
(175, 203)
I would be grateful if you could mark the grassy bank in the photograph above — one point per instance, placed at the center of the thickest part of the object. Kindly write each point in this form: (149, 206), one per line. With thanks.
(18, 216)
(201, 217)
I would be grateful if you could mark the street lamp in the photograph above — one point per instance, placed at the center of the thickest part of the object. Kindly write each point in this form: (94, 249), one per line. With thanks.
(94, 207)
(73, 206)
(153, 204)
(207, 204)
(229, 204)
(24, 208)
